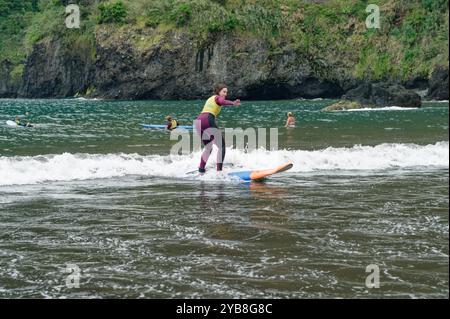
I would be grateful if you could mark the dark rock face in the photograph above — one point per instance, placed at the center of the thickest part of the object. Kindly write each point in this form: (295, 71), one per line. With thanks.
(175, 68)
(8, 89)
(146, 63)
(53, 70)
(418, 83)
(439, 84)
(383, 94)
(308, 88)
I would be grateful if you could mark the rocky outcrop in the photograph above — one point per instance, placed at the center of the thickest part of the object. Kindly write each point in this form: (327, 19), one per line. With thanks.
(58, 70)
(343, 105)
(438, 84)
(383, 94)
(370, 95)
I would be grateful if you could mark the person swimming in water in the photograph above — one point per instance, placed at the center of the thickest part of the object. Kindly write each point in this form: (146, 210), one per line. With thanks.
(290, 122)
(23, 123)
(171, 123)
(206, 126)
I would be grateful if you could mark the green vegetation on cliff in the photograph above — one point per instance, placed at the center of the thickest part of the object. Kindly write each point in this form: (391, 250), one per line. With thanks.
(412, 40)
(15, 16)
(23, 23)
(112, 12)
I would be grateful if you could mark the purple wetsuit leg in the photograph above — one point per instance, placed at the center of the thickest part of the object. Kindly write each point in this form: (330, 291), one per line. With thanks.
(208, 121)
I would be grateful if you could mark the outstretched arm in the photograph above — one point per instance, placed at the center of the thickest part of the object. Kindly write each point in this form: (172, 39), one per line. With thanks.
(222, 102)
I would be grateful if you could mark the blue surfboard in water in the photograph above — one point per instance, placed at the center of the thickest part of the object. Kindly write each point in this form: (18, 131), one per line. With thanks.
(256, 175)
(158, 126)
(259, 175)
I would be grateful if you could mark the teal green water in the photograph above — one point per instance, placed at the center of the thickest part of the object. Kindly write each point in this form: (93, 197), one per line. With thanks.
(110, 127)
(88, 186)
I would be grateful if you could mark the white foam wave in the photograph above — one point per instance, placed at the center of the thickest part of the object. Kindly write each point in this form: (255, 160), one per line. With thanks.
(387, 108)
(437, 101)
(87, 99)
(21, 170)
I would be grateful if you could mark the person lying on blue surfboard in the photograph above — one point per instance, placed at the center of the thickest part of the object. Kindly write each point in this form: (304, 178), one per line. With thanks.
(171, 123)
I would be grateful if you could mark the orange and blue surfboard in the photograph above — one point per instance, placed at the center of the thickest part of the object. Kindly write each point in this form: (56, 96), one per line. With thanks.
(258, 175)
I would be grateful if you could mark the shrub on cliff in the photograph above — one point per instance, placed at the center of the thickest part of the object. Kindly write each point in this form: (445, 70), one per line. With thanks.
(112, 12)
(181, 14)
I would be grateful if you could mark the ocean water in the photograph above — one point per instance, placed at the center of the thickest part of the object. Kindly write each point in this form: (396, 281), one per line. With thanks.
(88, 189)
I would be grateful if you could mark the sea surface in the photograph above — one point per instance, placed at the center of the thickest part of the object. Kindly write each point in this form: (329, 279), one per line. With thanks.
(94, 206)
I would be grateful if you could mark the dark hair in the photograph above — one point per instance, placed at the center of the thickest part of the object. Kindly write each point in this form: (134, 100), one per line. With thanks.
(219, 87)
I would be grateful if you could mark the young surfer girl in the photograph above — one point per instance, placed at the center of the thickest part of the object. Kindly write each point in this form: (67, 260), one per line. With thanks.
(206, 126)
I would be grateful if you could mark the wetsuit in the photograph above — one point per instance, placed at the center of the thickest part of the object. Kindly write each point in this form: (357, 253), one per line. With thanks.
(172, 125)
(22, 123)
(207, 120)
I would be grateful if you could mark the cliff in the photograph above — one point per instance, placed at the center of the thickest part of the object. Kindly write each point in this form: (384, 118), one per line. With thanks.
(262, 50)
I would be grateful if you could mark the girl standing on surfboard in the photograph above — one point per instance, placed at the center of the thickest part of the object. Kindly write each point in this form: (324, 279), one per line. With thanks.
(206, 126)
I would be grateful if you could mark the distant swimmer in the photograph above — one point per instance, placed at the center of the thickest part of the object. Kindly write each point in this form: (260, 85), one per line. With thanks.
(171, 123)
(290, 122)
(24, 123)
